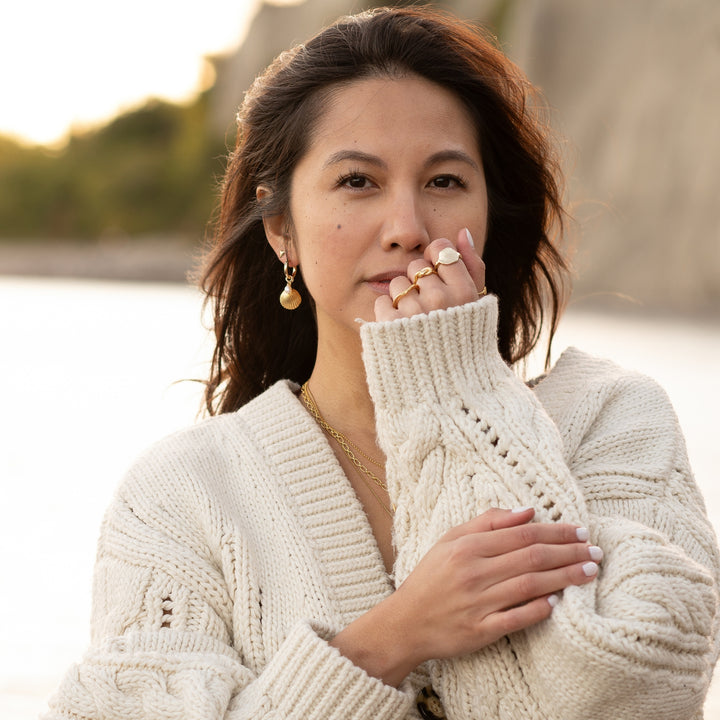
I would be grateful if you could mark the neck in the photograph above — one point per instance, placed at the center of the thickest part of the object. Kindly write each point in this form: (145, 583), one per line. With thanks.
(340, 389)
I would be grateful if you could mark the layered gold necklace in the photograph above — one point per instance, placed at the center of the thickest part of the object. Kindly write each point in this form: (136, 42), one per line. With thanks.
(369, 478)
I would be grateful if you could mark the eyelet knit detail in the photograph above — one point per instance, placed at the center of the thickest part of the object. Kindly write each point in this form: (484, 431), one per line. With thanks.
(235, 550)
(462, 433)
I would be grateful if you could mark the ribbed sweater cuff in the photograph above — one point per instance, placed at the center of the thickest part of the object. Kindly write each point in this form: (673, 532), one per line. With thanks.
(307, 678)
(431, 357)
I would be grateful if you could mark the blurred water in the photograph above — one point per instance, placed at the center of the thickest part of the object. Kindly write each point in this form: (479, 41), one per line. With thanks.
(87, 377)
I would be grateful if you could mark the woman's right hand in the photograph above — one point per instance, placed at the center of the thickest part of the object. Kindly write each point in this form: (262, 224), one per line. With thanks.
(491, 576)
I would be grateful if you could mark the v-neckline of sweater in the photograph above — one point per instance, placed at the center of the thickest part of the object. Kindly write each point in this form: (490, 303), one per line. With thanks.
(322, 499)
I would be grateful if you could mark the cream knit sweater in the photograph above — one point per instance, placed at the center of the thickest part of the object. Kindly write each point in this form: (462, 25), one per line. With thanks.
(234, 550)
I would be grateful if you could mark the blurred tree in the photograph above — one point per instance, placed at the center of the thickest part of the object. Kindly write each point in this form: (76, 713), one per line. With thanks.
(154, 170)
(151, 170)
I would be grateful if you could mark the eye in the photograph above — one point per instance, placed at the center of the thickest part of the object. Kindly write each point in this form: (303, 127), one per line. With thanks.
(445, 182)
(354, 181)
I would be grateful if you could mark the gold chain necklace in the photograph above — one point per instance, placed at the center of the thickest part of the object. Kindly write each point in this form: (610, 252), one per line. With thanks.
(366, 475)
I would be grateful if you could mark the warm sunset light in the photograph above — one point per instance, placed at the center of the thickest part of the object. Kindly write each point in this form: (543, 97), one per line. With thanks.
(78, 62)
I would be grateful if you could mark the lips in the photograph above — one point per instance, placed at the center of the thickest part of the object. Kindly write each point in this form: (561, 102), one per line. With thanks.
(386, 276)
(380, 283)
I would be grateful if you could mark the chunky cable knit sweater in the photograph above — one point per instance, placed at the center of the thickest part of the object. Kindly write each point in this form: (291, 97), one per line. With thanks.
(234, 550)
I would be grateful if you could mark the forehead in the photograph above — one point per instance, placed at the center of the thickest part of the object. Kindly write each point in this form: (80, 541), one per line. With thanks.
(392, 113)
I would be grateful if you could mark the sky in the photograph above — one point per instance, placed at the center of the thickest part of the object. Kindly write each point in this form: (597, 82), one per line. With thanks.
(77, 63)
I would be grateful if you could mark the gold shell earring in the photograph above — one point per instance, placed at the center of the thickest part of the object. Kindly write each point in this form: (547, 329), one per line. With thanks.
(289, 297)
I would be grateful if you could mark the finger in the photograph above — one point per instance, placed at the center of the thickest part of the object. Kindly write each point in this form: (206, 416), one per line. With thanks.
(541, 558)
(493, 519)
(452, 271)
(404, 296)
(483, 570)
(509, 539)
(420, 266)
(473, 262)
(504, 622)
(529, 586)
(384, 310)
(386, 306)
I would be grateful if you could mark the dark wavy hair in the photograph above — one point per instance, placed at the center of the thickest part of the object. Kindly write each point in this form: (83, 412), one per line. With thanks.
(257, 341)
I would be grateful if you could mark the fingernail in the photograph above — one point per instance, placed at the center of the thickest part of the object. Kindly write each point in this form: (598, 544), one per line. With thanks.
(521, 509)
(590, 569)
(553, 600)
(596, 553)
(470, 237)
(582, 534)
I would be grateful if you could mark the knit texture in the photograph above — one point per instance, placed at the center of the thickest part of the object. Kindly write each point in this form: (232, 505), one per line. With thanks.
(233, 551)
(591, 445)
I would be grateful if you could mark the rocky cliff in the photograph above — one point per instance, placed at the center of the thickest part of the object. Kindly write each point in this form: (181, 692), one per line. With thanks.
(635, 88)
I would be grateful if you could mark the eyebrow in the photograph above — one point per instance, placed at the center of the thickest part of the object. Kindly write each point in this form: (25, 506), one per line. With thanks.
(356, 155)
(434, 159)
(445, 155)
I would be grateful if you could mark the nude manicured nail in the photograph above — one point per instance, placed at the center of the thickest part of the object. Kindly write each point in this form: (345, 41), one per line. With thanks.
(582, 534)
(596, 553)
(590, 568)
(470, 237)
(553, 600)
(521, 509)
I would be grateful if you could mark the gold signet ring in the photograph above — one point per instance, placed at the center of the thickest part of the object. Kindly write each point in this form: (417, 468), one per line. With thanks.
(447, 256)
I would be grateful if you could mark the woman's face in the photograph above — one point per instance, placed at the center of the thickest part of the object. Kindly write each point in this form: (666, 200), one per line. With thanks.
(392, 165)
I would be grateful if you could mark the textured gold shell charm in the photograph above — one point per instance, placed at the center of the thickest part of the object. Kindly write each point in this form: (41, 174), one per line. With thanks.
(290, 298)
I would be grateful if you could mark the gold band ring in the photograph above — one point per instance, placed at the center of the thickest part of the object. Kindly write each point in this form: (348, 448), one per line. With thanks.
(483, 292)
(423, 273)
(447, 256)
(402, 294)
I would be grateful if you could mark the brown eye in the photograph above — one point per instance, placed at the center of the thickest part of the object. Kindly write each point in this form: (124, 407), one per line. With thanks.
(444, 182)
(356, 181)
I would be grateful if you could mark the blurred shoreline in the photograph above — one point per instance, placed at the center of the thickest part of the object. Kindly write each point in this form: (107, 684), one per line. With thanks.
(149, 258)
(164, 258)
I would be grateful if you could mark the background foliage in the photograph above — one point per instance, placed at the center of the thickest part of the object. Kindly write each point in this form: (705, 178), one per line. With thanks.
(152, 170)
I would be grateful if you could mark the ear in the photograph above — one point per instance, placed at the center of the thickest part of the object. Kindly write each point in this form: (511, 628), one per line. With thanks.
(276, 231)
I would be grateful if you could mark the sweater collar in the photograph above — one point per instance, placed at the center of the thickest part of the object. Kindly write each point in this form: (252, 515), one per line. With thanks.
(321, 498)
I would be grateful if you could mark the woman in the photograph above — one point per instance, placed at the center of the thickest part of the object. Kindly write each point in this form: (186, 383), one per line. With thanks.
(382, 520)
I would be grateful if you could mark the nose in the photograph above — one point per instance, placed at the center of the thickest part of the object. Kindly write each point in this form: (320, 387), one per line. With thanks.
(404, 226)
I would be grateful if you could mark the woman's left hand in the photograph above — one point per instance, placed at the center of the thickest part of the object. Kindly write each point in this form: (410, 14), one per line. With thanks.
(454, 284)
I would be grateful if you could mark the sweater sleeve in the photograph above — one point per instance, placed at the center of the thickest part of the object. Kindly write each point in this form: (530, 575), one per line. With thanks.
(163, 638)
(462, 434)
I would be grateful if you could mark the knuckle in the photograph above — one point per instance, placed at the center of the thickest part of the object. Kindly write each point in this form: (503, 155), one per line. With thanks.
(461, 551)
(528, 534)
(490, 517)
(415, 266)
(537, 557)
(455, 555)
(527, 586)
(506, 623)
(397, 284)
(434, 297)
(439, 244)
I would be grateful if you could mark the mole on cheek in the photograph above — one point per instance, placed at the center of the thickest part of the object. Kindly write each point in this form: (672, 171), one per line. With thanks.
(339, 227)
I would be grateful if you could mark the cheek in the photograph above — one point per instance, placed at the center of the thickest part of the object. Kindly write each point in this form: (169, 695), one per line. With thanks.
(320, 218)
(326, 250)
